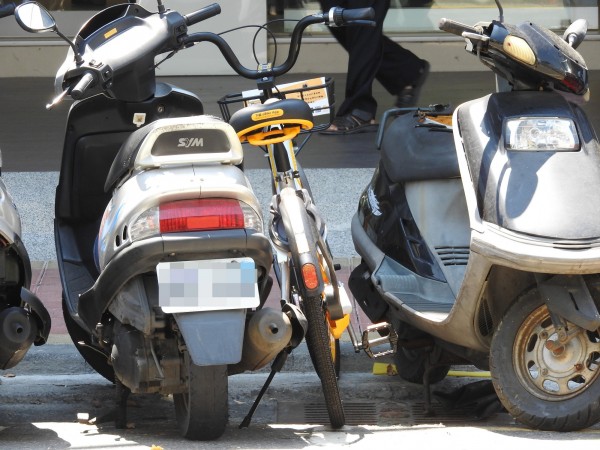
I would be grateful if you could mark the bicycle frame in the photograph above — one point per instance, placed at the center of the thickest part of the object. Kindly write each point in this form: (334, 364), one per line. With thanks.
(301, 242)
(302, 261)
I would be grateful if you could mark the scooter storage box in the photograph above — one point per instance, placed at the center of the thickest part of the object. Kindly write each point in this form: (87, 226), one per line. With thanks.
(415, 148)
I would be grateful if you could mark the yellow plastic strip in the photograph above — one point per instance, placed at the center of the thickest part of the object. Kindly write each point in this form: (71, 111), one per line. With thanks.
(470, 374)
(384, 369)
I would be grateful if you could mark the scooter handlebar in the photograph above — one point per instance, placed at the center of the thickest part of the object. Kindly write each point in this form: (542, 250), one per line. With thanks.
(82, 85)
(202, 14)
(451, 26)
(7, 10)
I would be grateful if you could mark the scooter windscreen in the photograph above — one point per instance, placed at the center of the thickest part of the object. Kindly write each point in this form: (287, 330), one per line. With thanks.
(536, 56)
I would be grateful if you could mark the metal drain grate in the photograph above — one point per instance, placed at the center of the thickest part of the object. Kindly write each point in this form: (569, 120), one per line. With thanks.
(357, 413)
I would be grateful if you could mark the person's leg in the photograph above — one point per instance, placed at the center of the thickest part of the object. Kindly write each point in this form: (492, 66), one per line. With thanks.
(399, 67)
(365, 52)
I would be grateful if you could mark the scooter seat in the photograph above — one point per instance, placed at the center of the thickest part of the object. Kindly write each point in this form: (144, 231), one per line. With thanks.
(412, 150)
(251, 122)
(178, 140)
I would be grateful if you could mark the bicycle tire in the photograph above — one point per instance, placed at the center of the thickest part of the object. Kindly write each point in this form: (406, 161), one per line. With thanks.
(318, 343)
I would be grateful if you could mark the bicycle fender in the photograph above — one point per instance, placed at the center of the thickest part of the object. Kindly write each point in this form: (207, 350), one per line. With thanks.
(300, 235)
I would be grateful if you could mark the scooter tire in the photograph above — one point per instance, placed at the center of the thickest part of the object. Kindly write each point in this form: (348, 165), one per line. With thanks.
(526, 375)
(83, 342)
(202, 412)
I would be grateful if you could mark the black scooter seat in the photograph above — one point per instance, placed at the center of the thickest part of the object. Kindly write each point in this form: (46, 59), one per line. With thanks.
(415, 151)
(293, 114)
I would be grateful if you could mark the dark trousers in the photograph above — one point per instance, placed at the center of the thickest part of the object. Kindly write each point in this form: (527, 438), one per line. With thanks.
(371, 55)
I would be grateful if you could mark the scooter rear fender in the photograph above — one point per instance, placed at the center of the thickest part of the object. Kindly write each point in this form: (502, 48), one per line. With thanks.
(213, 337)
(143, 256)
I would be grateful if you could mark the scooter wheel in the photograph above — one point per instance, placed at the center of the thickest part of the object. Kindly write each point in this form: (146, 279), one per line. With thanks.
(543, 384)
(83, 342)
(202, 412)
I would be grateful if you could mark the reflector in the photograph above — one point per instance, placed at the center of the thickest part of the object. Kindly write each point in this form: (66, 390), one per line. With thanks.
(309, 275)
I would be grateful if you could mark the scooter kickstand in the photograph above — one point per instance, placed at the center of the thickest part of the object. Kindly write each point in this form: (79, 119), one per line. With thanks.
(277, 365)
(427, 387)
(122, 394)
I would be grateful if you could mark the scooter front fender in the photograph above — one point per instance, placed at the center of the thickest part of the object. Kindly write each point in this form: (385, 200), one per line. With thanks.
(569, 297)
(213, 337)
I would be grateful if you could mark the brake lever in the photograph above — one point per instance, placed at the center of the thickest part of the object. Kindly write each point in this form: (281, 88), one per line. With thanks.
(57, 99)
(475, 36)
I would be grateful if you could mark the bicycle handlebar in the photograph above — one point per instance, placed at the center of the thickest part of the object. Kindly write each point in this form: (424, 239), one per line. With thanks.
(336, 16)
(339, 16)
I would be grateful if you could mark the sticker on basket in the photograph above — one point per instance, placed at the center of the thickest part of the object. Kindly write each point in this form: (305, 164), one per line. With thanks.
(317, 98)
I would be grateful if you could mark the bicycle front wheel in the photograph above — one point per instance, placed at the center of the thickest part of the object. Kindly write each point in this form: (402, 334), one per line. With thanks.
(318, 343)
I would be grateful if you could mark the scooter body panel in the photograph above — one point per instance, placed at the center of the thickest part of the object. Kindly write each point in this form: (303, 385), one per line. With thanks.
(536, 193)
(10, 221)
(152, 187)
(96, 128)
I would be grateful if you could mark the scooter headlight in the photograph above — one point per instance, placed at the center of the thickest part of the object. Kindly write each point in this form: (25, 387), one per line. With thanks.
(202, 214)
(541, 134)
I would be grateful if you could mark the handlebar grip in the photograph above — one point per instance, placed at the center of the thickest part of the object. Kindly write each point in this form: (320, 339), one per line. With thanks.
(82, 85)
(7, 10)
(451, 26)
(202, 14)
(342, 16)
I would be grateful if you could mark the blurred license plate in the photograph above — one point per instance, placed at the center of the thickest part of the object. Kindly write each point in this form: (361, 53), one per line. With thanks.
(207, 285)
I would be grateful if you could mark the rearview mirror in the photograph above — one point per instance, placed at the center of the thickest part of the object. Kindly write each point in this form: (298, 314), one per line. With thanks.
(575, 34)
(34, 18)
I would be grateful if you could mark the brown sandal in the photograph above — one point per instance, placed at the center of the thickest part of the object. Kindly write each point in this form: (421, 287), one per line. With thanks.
(350, 124)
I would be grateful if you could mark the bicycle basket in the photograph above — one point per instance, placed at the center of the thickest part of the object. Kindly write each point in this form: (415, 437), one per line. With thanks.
(317, 92)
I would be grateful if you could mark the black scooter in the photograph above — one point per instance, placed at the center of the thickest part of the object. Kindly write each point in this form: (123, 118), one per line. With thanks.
(480, 235)
(24, 320)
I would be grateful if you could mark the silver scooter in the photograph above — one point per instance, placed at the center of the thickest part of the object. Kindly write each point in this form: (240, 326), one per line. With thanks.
(480, 236)
(24, 321)
(159, 236)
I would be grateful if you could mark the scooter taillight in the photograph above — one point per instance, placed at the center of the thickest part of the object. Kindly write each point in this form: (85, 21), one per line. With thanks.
(200, 215)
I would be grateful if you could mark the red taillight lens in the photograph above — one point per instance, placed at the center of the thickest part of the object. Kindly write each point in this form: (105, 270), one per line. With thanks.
(201, 214)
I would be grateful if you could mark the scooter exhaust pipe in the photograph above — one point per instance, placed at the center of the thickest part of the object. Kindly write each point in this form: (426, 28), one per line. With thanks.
(267, 333)
(17, 332)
